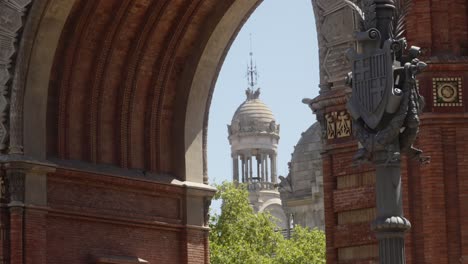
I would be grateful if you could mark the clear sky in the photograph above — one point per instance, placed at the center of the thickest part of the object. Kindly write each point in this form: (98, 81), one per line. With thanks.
(286, 53)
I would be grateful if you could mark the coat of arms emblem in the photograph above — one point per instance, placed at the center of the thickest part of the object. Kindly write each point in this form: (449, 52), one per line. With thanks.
(385, 102)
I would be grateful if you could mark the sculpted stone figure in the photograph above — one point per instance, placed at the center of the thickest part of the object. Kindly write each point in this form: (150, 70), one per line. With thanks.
(285, 185)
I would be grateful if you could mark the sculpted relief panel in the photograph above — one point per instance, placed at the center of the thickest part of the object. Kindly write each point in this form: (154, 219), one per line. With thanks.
(335, 63)
(11, 22)
(335, 27)
(338, 125)
(327, 4)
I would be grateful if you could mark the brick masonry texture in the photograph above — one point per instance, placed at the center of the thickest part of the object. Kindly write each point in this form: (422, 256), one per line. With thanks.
(435, 196)
(124, 218)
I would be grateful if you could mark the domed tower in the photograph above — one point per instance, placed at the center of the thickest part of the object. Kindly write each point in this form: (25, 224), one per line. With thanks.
(254, 136)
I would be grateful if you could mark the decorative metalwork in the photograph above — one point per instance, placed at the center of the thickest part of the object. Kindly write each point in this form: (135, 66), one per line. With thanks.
(385, 105)
(385, 102)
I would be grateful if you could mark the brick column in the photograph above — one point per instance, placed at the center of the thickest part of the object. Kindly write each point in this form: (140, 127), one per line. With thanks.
(26, 182)
(195, 237)
(328, 188)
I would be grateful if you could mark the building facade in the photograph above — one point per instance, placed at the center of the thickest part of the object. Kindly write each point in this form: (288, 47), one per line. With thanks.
(254, 137)
(302, 189)
(434, 195)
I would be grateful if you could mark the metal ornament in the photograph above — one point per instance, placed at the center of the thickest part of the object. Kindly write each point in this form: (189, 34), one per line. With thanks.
(385, 105)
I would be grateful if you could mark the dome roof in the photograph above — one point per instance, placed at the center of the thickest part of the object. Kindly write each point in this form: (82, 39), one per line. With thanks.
(253, 111)
(253, 116)
(309, 145)
(306, 161)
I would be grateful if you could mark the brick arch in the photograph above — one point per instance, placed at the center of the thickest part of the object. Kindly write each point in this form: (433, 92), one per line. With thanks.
(116, 75)
(109, 87)
(130, 82)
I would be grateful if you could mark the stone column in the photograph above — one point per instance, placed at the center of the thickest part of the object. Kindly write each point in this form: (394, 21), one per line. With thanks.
(243, 169)
(24, 199)
(235, 167)
(262, 167)
(195, 234)
(266, 169)
(250, 169)
(259, 177)
(246, 169)
(273, 168)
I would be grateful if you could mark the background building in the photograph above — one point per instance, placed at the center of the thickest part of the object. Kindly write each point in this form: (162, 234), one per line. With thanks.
(302, 189)
(254, 136)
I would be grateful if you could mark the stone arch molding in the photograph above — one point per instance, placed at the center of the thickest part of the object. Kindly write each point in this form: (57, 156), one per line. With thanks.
(29, 44)
(29, 80)
(11, 24)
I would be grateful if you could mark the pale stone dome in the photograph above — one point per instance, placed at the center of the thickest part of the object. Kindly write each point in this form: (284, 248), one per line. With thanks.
(302, 190)
(253, 116)
(253, 111)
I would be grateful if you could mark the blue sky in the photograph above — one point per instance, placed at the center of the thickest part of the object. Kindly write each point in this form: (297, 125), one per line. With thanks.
(286, 53)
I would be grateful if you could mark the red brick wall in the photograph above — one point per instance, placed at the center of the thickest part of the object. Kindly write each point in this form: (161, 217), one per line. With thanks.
(91, 215)
(72, 240)
(435, 196)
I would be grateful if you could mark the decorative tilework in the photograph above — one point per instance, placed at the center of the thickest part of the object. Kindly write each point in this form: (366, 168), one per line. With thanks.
(447, 92)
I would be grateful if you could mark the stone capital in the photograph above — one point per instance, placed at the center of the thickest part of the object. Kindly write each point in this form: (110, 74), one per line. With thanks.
(25, 180)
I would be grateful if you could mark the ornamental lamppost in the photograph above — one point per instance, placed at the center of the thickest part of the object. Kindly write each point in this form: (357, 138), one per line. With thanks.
(384, 105)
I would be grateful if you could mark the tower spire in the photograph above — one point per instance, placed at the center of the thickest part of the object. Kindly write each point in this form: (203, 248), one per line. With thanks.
(252, 73)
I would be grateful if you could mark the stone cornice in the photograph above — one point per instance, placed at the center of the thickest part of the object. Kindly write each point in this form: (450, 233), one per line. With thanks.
(328, 99)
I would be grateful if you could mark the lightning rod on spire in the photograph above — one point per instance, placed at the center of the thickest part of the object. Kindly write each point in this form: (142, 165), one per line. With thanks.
(252, 73)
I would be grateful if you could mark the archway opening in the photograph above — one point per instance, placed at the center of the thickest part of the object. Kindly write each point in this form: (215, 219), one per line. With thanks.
(275, 56)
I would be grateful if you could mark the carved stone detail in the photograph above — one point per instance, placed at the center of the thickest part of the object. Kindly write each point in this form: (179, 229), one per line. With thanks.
(331, 125)
(11, 22)
(16, 181)
(447, 92)
(206, 210)
(338, 125)
(327, 4)
(3, 187)
(336, 26)
(335, 63)
(253, 127)
(343, 125)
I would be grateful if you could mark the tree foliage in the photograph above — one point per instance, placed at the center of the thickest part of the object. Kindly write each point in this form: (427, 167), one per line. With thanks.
(238, 235)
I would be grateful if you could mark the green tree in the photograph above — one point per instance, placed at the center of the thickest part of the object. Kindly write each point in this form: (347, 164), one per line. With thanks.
(305, 246)
(238, 235)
